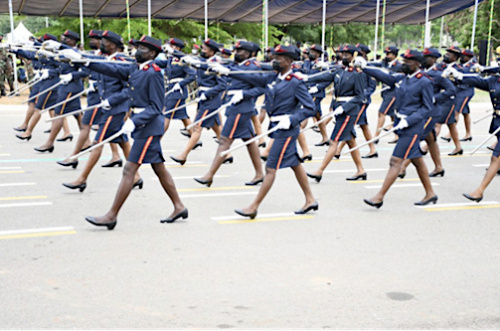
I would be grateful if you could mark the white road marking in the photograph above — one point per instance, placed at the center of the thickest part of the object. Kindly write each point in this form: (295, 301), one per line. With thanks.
(216, 194)
(22, 231)
(236, 216)
(16, 184)
(27, 204)
(460, 204)
(399, 185)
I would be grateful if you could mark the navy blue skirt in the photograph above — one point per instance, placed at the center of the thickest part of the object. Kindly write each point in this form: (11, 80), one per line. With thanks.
(68, 106)
(448, 115)
(496, 151)
(238, 126)
(387, 106)
(344, 128)
(46, 100)
(35, 90)
(462, 104)
(210, 122)
(317, 105)
(429, 125)
(146, 150)
(91, 117)
(407, 147)
(283, 153)
(361, 119)
(179, 114)
(109, 126)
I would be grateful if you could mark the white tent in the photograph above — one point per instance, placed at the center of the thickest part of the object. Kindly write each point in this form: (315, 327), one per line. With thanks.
(20, 34)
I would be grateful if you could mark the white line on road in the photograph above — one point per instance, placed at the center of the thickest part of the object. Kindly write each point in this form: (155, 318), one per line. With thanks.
(27, 204)
(399, 185)
(16, 184)
(192, 177)
(353, 170)
(63, 228)
(460, 204)
(236, 216)
(216, 194)
(10, 168)
(481, 165)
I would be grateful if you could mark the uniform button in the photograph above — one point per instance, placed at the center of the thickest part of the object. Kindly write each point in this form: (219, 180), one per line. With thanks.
(132, 88)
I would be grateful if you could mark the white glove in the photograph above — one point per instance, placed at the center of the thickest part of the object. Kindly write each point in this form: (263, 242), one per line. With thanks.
(128, 126)
(66, 78)
(220, 69)
(45, 74)
(322, 65)
(188, 60)
(203, 97)
(177, 87)
(339, 110)
(403, 123)
(70, 54)
(106, 106)
(478, 68)
(284, 122)
(457, 74)
(167, 49)
(305, 78)
(37, 75)
(237, 96)
(51, 44)
(494, 64)
(359, 61)
(91, 86)
(313, 90)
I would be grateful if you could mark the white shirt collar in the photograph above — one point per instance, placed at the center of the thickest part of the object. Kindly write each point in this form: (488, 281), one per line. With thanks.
(431, 68)
(110, 57)
(282, 76)
(414, 74)
(142, 65)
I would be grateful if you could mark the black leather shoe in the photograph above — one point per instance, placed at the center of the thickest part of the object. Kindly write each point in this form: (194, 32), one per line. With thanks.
(183, 214)
(198, 144)
(433, 200)
(207, 183)
(395, 141)
(316, 177)
(178, 160)
(255, 182)
(306, 158)
(491, 149)
(402, 175)
(242, 213)
(313, 206)
(371, 156)
(263, 145)
(263, 158)
(19, 130)
(139, 184)
(118, 163)
(435, 174)
(70, 138)
(84, 149)
(80, 187)
(374, 204)
(92, 220)
(323, 143)
(24, 138)
(228, 160)
(185, 132)
(42, 150)
(72, 164)
(446, 139)
(466, 139)
(46, 131)
(424, 153)
(470, 197)
(460, 152)
(337, 156)
(358, 177)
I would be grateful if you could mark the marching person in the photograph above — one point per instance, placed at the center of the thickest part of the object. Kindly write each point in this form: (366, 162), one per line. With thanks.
(413, 93)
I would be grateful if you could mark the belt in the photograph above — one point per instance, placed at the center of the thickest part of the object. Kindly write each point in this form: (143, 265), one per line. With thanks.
(204, 88)
(137, 110)
(175, 80)
(344, 98)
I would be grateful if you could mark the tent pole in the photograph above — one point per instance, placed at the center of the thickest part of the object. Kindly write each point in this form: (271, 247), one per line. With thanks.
(427, 36)
(14, 59)
(266, 36)
(149, 18)
(489, 32)
(382, 40)
(206, 19)
(82, 37)
(128, 20)
(473, 37)
(323, 26)
(377, 13)
(441, 33)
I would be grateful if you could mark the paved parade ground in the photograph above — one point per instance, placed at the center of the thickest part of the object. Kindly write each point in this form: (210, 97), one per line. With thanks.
(345, 266)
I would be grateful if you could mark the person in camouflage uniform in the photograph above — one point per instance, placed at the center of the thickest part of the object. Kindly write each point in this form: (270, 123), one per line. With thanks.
(3, 67)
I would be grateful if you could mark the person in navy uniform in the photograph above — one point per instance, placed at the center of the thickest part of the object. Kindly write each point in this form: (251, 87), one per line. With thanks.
(146, 92)
(225, 53)
(238, 124)
(452, 56)
(414, 93)
(468, 65)
(349, 84)
(492, 85)
(211, 88)
(289, 104)
(114, 92)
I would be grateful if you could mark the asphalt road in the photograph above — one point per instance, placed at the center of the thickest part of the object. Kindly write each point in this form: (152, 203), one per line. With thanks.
(346, 266)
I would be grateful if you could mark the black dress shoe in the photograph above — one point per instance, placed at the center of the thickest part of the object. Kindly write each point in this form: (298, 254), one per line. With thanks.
(198, 144)
(316, 177)
(19, 130)
(242, 213)
(92, 220)
(84, 149)
(69, 137)
(183, 214)
(118, 163)
(185, 132)
(207, 182)
(316, 129)
(228, 160)
(313, 206)
(371, 156)
(72, 164)
(460, 152)
(402, 175)
(358, 177)
(393, 141)
(255, 182)
(46, 131)
(374, 204)
(80, 187)
(337, 156)
(466, 139)
(24, 138)
(435, 174)
(323, 143)
(42, 150)
(263, 145)
(178, 160)
(446, 139)
(470, 197)
(433, 200)
(424, 153)
(491, 149)
(263, 158)
(139, 184)
(306, 158)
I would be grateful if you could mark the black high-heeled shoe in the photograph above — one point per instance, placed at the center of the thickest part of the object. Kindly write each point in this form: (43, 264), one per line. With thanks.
(19, 130)
(446, 139)
(185, 133)
(263, 158)
(402, 175)
(198, 144)
(84, 149)
(460, 152)
(118, 163)
(73, 164)
(178, 160)
(228, 160)
(80, 187)
(491, 149)
(263, 145)
(24, 138)
(306, 158)
(183, 214)
(242, 213)
(92, 220)
(371, 156)
(316, 177)
(373, 204)
(314, 206)
(255, 182)
(337, 156)
(43, 150)
(139, 184)
(69, 137)
(470, 197)
(322, 143)
(47, 131)
(358, 177)
(207, 182)
(433, 200)
(435, 174)
(466, 139)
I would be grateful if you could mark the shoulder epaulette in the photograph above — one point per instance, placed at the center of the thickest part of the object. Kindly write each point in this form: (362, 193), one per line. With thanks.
(155, 67)
(419, 75)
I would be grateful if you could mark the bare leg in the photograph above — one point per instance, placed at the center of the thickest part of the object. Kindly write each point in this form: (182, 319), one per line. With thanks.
(390, 178)
(224, 144)
(93, 158)
(435, 152)
(488, 177)
(356, 157)
(301, 176)
(423, 174)
(166, 124)
(31, 126)
(368, 136)
(187, 122)
(264, 189)
(332, 149)
(253, 151)
(467, 122)
(262, 115)
(266, 151)
(65, 128)
(54, 131)
(380, 123)
(83, 139)
(258, 128)
(454, 136)
(27, 117)
(115, 156)
(303, 144)
(195, 136)
(168, 184)
(437, 128)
